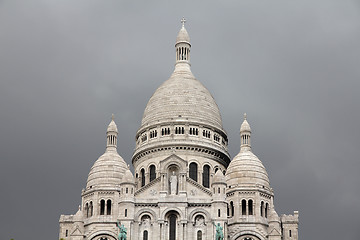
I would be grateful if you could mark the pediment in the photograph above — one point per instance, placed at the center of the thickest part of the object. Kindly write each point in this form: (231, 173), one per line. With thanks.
(76, 231)
(274, 232)
(174, 159)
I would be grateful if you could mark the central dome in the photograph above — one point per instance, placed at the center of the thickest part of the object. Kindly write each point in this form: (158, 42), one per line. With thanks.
(182, 97)
(182, 114)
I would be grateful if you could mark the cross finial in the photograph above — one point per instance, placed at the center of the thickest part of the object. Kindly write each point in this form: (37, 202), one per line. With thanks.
(183, 21)
(244, 116)
(112, 117)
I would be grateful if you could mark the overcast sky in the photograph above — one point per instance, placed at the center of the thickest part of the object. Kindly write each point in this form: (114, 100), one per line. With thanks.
(292, 66)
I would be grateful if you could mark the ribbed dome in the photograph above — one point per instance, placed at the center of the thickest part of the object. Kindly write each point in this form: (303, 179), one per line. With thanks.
(219, 177)
(183, 36)
(246, 170)
(107, 171)
(245, 126)
(128, 177)
(112, 127)
(182, 97)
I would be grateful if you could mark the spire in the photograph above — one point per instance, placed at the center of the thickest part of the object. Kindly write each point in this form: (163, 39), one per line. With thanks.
(183, 45)
(245, 135)
(111, 135)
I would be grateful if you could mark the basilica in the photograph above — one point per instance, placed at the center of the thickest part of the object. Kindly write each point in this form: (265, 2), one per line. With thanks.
(185, 186)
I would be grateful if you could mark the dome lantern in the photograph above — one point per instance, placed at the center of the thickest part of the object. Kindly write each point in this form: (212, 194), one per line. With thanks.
(111, 136)
(245, 135)
(183, 45)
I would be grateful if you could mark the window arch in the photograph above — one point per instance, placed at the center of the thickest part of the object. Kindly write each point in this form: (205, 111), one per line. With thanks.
(91, 208)
(145, 235)
(266, 210)
(87, 209)
(206, 176)
(142, 175)
(250, 203)
(243, 207)
(262, 209)
(232, 209)
(102, 207)
(172, 228)
(199, 235)
(108, 207)
(193, 171)
(152, 172)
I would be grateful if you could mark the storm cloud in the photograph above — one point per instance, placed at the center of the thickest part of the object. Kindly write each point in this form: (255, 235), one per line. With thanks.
(292, 66)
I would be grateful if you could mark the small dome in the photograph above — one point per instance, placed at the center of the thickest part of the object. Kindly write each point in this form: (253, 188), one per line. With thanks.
(112, 126)
(79, 215)
(183, 36)
(219, 177)
(245, 126)
(246, 170)
(128, 177)
(273, 216)
(107, 171)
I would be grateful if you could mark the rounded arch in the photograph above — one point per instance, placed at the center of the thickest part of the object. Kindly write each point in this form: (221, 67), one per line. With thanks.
(145, 211)
(157, 165)
(248, 233)
(207, 163)
(197, 211)
(174, 210)
(193, 171)
(174, 163)
(103, 233)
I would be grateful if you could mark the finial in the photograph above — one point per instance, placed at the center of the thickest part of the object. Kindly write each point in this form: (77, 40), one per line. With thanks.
(79, 207)
(112, 117)
(244, 116)
(183, 21)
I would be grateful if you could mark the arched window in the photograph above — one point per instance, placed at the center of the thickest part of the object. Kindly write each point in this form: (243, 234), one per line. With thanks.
(193, 171)
(142, 173)
(172, 228)
(262, 209)
(289, 233)
(243, 207)
(206, 176)
(125, 212)
(108, 207)
(250, 207)
(87, 209)
(152, 172)
(91, 209)
(219, 213)
(102, 207)
(66, 233)
(232, 208)
(145, 235)
(266, 210)
(199, 235)
(228, 210)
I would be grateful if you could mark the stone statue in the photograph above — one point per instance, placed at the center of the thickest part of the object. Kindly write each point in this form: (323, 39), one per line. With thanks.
(173, 184)
(219, 232)
(122, 234)
(199, 221)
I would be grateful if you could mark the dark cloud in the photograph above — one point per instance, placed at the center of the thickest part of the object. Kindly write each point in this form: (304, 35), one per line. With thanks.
(65, 66)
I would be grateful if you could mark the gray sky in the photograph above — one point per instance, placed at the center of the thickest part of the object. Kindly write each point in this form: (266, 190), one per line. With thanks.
(293, 66)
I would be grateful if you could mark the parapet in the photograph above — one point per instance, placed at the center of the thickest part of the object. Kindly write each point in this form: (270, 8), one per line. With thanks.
(290, 218)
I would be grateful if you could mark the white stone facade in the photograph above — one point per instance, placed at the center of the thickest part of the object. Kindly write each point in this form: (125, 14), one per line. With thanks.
(184, 180)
